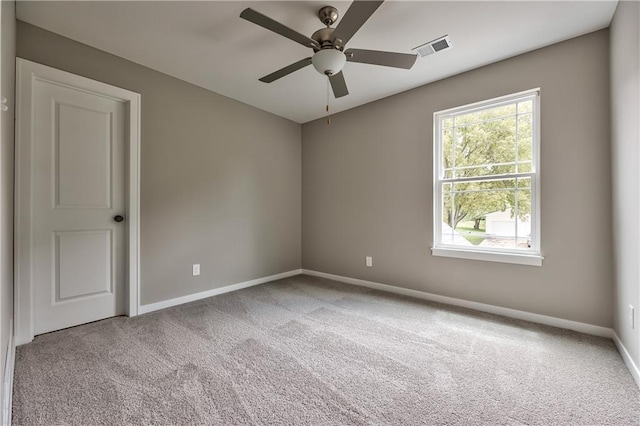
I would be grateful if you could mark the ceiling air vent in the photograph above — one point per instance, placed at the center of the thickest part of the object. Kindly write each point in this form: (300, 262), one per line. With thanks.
(433, 46)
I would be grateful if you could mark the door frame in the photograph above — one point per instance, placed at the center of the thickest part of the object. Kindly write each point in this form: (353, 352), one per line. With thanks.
(27, 72)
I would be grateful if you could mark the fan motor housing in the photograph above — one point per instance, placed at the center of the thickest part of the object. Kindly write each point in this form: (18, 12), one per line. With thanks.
(323, 37)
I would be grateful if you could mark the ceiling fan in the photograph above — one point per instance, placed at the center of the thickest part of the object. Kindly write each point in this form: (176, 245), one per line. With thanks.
(328, 44)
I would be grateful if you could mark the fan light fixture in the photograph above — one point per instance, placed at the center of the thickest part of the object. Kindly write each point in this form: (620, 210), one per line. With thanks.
(328, 61)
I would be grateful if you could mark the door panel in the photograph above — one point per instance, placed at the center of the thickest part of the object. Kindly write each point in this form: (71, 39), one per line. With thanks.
(83, 148)
(83, 264)
(78, 187)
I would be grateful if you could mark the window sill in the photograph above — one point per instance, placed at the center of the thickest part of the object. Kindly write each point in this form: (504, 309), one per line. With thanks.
(516, 258)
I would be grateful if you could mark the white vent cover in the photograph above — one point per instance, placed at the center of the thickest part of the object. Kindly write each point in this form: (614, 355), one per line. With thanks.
(433, 46)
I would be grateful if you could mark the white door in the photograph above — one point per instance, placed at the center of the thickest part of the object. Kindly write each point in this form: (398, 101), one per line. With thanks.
(78, 192)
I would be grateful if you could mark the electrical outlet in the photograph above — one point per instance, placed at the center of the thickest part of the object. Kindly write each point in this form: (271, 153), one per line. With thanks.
(196, 269)
(632, 313)
(368, 261)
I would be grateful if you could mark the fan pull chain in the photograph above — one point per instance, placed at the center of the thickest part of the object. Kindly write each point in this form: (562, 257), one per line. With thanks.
(327, 108)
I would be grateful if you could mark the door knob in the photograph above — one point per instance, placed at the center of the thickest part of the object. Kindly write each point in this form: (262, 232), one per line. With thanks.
(118, 218)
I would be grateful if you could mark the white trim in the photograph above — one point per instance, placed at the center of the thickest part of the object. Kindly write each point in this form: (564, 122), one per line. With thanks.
(26, 73)
(144, 309)
(482, 307)
(9, 363)
(133, 206)
(506, 176)
(477, 106)
(517, 258)
(633, 368)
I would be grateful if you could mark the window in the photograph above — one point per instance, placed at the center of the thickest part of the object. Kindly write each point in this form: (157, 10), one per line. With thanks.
(486, 180)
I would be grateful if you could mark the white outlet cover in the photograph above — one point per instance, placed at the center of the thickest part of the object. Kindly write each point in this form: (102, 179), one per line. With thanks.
(196, 269)
(369, 261)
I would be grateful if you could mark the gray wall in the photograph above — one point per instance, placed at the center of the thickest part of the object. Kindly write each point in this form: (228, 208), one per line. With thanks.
(220, 180)
(367, 188)
(8, 48)
(625, 147)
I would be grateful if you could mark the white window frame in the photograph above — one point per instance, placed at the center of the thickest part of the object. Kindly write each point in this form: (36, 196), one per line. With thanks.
(530, 257)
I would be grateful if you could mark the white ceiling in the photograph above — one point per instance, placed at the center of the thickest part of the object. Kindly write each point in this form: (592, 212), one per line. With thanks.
(207, 44)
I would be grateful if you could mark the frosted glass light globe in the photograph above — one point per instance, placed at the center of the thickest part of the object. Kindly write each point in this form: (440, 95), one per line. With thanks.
(328, 61)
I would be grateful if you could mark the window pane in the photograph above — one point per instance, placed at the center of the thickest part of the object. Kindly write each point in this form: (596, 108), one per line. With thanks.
(477, 199)
(485, 114)
(483, 218)
(524, 183)
(447, 231)
(501, 227)
(525, 167)
(484, 213)
(485, 142)
(447, 153)
(524, 218)
(524, 107)
(525, 143)
(485, 170)
(486, 185)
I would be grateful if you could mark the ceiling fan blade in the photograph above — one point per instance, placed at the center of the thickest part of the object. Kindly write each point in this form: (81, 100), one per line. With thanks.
(353, 19)
(275, 26)
(338, 85)
(286, 70)
(377, 57)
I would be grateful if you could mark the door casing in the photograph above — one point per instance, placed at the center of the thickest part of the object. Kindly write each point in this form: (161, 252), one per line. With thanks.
(26, 73)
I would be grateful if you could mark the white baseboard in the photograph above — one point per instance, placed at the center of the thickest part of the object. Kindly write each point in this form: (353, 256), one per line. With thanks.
(144, 309)
(633, 368)
(492, 309)
(7, 394)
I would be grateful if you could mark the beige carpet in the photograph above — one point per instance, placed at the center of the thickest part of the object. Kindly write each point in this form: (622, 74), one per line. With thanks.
(306, 350)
